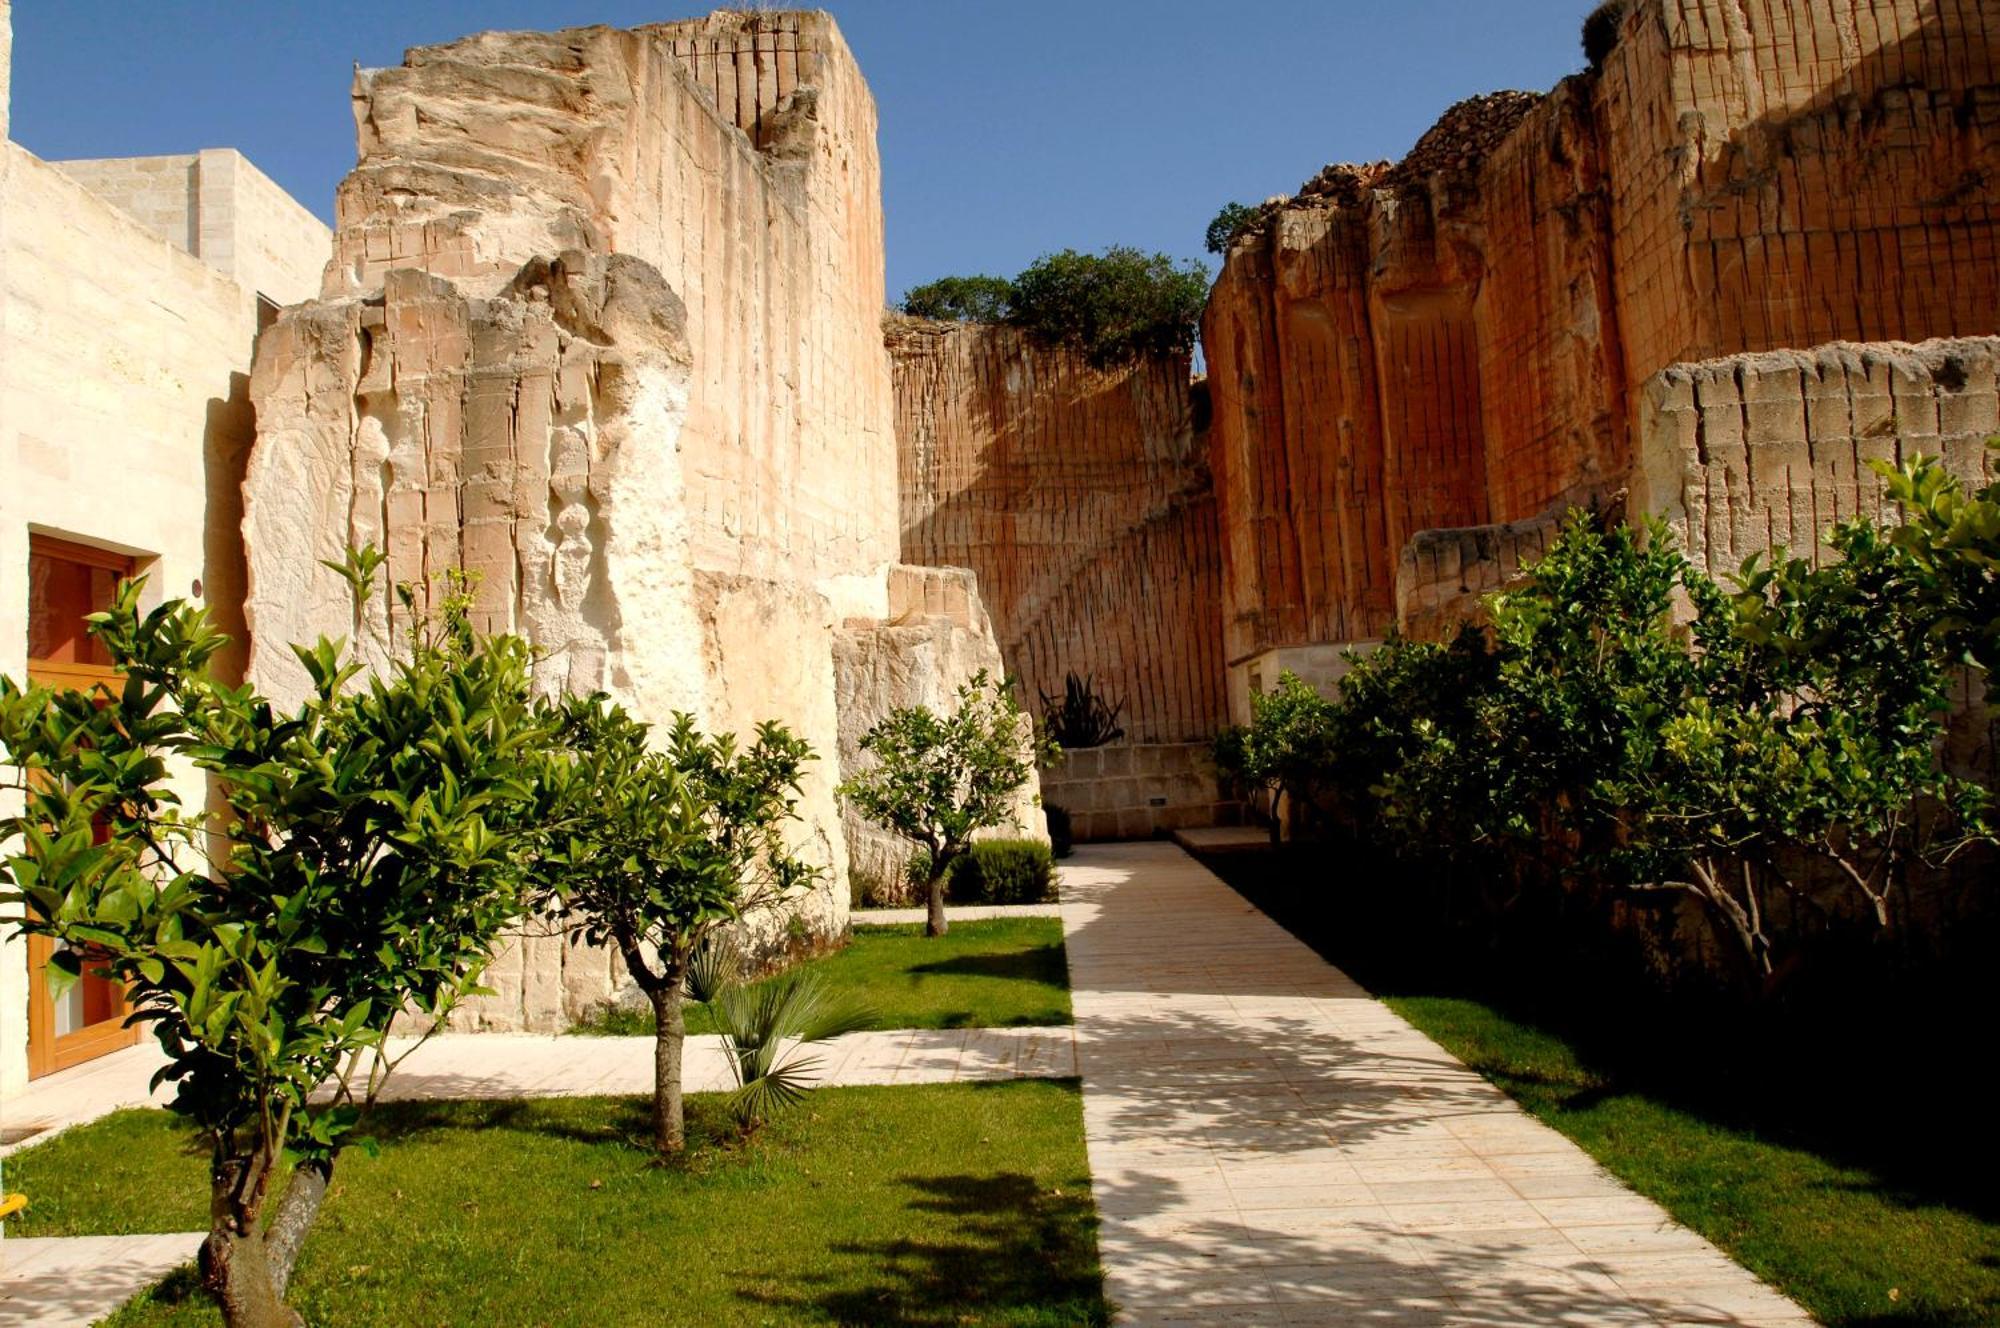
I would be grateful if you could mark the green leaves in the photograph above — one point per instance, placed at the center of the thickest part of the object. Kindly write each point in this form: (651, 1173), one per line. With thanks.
(1628, 726)
(1110, 306)
(764, 1029)
(1230, 222)
(369, 851)
(977, 299)
(652, 850)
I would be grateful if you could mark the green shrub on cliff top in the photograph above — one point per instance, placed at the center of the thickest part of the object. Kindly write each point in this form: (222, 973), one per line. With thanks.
(980, 299)
(1114, 305)
(1111, 306)
(1232, 221)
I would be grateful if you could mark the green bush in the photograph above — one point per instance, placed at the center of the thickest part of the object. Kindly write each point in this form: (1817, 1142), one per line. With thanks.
(1287, 749)
(1232, 221)
(1629, 737)
(1111, 306)
(1004, 871)
(980, 299)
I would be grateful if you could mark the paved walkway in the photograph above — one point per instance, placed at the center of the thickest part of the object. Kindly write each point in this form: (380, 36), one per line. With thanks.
(73, 1281)
(883, 917)
(497, 1065)
(1269, 1145)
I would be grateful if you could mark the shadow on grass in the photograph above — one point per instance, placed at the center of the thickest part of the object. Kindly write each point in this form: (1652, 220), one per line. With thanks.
(1042, 963)
(1837, 1073)
(711, 1132)
(1002, 1244)
(180, 1287)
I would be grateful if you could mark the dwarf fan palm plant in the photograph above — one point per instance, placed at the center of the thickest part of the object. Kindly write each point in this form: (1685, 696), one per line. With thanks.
(765, 1028)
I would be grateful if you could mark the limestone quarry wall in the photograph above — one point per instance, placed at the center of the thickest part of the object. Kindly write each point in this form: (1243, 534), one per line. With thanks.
(1429, 345)
(937, 636)
(1081, 499)
(762, 211)
(602, 327)
(1454, 343)
(1754, 452)
(1793, 172)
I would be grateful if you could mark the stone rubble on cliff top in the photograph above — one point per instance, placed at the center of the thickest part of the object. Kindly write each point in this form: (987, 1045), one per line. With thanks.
(1462, 137)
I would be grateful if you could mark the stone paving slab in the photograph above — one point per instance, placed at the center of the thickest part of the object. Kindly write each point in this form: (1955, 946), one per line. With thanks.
(73, 1281)
(887, 917)
(505, 1065)
(1270, 1145)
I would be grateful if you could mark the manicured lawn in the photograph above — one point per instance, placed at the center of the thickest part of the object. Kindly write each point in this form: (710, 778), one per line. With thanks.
(946, 1204)
(1000, 973)
(1856, 1176)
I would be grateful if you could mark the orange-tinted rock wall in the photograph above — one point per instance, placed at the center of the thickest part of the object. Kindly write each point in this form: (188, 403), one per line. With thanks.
(1296, 440)
(1552, 391)
(1081, 499)
(1453, 343)
(1410, 353)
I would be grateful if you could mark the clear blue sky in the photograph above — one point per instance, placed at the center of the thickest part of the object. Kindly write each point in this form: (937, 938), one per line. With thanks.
(1009, 127)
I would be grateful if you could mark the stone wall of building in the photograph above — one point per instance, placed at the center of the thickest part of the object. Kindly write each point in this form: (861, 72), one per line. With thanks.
(1450, 344)
(1080, 496)
(219, 207)
(603, 328)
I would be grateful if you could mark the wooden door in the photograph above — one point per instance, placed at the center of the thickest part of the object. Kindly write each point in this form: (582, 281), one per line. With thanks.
(67, 582)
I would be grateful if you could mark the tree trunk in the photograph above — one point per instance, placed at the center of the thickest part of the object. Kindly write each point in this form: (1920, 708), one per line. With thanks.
(669, 1036)
(934, 923)
(235, 1259)
(297, 1209)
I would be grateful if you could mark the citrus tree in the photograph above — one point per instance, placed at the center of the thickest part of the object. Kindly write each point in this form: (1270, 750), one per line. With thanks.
(366, 857)
(1287, 749)
(938, 779)
(661, 849)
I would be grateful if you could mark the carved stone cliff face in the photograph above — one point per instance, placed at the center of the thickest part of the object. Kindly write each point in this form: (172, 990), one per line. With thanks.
(530, 437)
(735, 154)
(602, 328)
(1424, 346)
(1794, 172)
